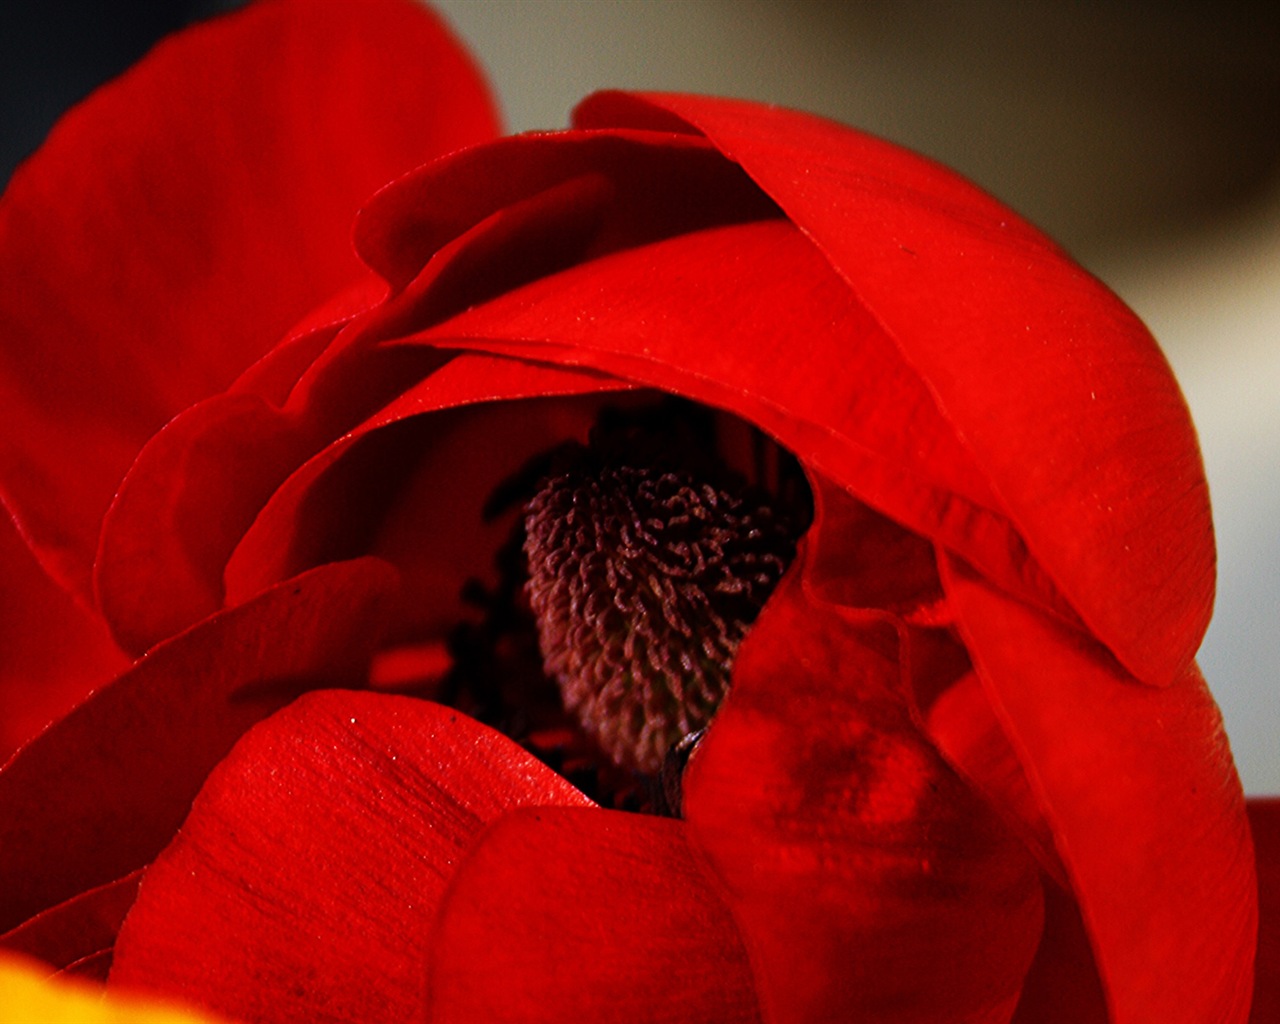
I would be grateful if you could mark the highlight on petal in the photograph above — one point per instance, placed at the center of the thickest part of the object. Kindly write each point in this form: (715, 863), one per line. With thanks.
(1139, 791)
(562, 914)
(100, 793)
(28, 994)
(304, 883)
(869, 881)
(226, 171)
(1057, 389)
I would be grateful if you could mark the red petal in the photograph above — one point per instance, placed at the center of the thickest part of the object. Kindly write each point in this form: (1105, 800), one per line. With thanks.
(160, 564)
(82, 927)
(55, 651)
(181, 510)
(966, 731)
(607, 190)
(1056, 387)
(1139, 789)
(869, 881)
(304, 883)
(719, 316)
(595, 915)
(1062, 986)
(225, 172)
(101, 792)
(1264, 818)
(396, 460)
(163, 551)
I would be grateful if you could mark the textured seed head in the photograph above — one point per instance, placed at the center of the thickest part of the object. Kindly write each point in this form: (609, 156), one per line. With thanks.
(643, 581)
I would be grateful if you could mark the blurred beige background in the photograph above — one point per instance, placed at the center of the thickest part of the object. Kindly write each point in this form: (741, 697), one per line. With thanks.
(1143, 135)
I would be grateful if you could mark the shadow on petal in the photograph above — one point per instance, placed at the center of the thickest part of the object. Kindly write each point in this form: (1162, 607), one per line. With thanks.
(563, 914)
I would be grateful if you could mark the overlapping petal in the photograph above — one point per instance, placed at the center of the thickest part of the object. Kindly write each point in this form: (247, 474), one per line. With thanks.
(101, 792)
(869, 880)
(176, 224)
(1105, 492)
(1057, 389)
(1139, 788)
(623, 923)
(304, 884)
(55, 650)
(78, 935)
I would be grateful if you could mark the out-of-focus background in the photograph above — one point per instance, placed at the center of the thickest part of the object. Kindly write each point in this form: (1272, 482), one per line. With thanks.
(1144, 135)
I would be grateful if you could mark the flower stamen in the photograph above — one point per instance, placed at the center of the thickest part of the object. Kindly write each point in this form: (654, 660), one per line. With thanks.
(645, 572)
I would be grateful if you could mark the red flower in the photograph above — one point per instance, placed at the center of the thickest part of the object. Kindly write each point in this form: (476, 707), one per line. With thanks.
(967, 770)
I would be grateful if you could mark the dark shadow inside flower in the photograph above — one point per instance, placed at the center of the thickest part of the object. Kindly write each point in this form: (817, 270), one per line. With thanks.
(445, 499)
(586, 193)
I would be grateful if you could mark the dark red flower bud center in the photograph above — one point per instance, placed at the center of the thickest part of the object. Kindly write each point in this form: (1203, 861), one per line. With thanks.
(644, 577)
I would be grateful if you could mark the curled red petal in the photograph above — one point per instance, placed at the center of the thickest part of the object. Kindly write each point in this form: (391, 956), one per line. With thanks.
(1055, 386)
(1138, 787)
(160, 563)
(869, 881)
(100, 792)
(304, 883)
(1264, 820)
(608, 190)
(560, 914)
(226, 170)
(162, 554)
(437, 536)
(719, 315)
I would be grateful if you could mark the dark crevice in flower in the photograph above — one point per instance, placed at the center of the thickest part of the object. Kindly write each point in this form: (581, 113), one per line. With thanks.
(624, 590)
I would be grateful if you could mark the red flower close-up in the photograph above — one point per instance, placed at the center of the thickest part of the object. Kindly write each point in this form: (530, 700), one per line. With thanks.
(704, 564)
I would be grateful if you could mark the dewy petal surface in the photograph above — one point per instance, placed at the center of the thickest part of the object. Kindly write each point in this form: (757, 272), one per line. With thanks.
(100, 793)
(1144, 803)
(304, 883)
(176, 223)
(1053, 384)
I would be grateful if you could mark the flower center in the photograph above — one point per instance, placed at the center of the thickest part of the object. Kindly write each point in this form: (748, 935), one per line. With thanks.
(646, 568)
